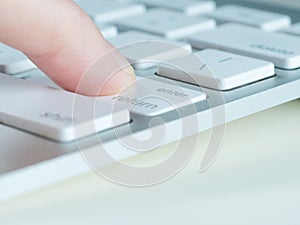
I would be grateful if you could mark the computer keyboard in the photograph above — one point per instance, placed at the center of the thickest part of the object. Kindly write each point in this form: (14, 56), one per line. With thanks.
(191, 57)
(153, 32)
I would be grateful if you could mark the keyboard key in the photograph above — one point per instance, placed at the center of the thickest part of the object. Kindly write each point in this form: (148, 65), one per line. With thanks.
(265, 20)
(281, 49)
(191, 7)
(108, 31)
(145, 50)
(147, 96)
(217, 69)
(13, 61)
(294, 29)
(167, 23)
(152, 97)
(103, 11)
(53, 113)
(38, 77)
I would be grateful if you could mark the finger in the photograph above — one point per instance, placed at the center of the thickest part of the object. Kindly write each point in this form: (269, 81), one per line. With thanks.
(63, 42)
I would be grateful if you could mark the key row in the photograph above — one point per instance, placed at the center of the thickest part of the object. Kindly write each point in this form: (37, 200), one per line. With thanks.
(165, 23)
(111, 11)
(65, 116)
(145, 50)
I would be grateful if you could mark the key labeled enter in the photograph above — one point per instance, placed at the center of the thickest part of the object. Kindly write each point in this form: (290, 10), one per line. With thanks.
(156, 96)
(217, 69)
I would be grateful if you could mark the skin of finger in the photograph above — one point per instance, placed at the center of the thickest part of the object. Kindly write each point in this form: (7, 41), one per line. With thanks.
(117, 74)
(56, 35)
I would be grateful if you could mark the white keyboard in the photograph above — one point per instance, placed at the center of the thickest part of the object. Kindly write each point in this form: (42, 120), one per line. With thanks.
(183, 51)
(199, 64)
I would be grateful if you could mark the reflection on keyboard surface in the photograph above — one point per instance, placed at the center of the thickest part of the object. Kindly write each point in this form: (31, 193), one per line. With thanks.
(184, 51)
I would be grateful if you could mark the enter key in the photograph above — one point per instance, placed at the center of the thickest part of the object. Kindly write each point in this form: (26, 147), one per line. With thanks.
(155, 96)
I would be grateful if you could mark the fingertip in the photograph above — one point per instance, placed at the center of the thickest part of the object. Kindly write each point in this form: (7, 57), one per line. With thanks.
(118, 83)
(109, 75)
(65, 45)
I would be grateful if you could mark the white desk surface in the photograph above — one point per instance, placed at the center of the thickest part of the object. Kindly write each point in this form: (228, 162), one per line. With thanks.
(255, 180)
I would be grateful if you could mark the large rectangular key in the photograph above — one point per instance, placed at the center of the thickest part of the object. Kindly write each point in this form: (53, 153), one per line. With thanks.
(166, 23)
(265, 20)
(54, 113)
(281, 49)
(217, 69)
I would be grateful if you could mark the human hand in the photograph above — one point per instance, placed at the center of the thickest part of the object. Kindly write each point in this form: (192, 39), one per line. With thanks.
(65, 44)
